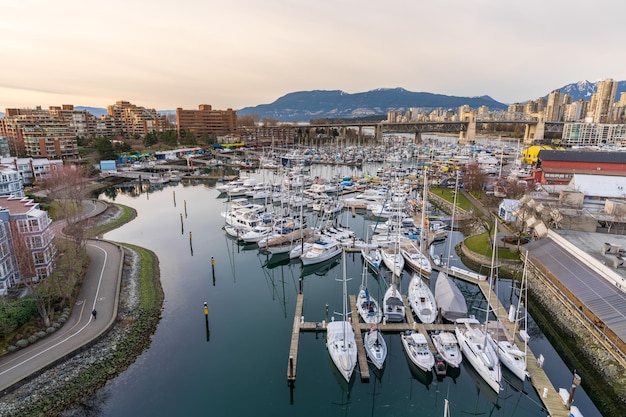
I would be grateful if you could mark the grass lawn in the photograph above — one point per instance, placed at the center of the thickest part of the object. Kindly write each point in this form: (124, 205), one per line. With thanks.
(448, 194)
(481, 244)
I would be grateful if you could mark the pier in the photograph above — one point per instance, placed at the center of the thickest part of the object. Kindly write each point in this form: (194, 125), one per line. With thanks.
(502, 326)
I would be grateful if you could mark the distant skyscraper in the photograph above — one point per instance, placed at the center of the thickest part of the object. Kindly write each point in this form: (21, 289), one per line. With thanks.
(602, 100)
(553, 108)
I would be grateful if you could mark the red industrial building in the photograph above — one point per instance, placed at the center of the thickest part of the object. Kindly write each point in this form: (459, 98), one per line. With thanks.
(558, 167)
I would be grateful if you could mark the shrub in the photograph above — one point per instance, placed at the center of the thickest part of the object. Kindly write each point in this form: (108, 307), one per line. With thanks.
(22, 343)
(51, 330)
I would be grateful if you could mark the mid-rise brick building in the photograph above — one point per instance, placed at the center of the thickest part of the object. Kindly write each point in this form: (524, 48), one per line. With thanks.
(207, 121)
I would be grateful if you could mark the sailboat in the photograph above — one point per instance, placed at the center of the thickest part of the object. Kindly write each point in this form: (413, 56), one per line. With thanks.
(372, 258)
(375, 347)
(413, 254)
(393, 304)
(392, 258)
(422, 300)
(509, 353)
(476, 345)
(366, 305)
(449, 298)
(340, 339)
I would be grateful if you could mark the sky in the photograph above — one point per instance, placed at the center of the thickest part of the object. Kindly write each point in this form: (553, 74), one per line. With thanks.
(239, 53)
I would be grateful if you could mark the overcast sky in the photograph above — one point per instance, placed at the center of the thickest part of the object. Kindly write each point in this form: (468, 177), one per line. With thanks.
(238, 53)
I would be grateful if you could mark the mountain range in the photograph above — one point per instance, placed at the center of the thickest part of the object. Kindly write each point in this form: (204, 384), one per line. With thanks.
(306, 105)
(302, 106)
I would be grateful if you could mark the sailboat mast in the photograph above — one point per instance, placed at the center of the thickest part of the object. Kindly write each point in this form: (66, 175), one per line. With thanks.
(344, 298)
(424, 201)
(456, 191)
(494, 249)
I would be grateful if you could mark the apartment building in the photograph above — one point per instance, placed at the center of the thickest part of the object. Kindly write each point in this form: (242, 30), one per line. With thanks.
(207, 121)
(31, 169)
(38, 134)
(21, 218)
(10, 182)
(594, 134)
(602, 101)
(129, 119)
(81, 122)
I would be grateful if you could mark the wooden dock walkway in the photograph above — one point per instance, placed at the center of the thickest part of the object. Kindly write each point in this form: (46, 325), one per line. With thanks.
(295, 338)
(548, 394)
(360, 348)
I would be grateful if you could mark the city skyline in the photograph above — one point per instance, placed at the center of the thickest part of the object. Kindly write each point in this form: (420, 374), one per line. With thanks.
(244, 53)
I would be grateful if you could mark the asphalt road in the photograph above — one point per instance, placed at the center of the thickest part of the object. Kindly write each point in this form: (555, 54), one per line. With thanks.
(100, 291)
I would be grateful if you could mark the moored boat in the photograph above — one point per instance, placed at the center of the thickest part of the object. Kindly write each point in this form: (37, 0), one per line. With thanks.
(375, 347)
(322, 250)
(479, 352)
(447, 346)
(422, 300)
(449, 298)
(416, 347)
(372, 258)
(393, 305)
(340, 338)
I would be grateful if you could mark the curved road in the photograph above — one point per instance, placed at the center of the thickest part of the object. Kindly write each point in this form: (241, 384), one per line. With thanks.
(100, 290)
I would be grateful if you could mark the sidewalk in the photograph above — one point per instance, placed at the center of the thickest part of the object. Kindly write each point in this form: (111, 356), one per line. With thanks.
(100, 291)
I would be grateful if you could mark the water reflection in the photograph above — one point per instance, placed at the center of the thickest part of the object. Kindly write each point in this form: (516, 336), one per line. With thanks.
(483, 390)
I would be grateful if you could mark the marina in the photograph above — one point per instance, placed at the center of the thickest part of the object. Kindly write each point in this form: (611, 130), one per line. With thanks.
(293, 302)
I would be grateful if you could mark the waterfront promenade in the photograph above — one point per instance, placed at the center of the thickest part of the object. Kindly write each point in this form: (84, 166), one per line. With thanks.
(100, 291)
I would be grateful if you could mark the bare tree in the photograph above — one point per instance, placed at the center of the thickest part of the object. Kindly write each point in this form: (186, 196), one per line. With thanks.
(270, 121)
(68, 186)
(248, 120)
(474, 177)
(28, 273)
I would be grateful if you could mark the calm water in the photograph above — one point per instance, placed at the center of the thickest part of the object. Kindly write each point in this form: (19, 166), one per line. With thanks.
(239, 368)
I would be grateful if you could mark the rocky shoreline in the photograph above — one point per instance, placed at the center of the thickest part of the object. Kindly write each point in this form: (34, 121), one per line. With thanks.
(68, 388)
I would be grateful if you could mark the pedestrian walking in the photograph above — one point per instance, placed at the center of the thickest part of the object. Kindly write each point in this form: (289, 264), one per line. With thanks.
(94, 313)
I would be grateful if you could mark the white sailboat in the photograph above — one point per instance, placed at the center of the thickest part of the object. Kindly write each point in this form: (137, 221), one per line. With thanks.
(340, 339)
(415, 259)
(372, 258)
(367, 306)
(375, 347)
(509, 353)
(392, 258)
(422, 300)
(393, 305)
(477, 346)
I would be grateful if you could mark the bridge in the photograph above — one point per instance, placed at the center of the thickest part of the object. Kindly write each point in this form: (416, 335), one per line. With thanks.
(534, 130)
